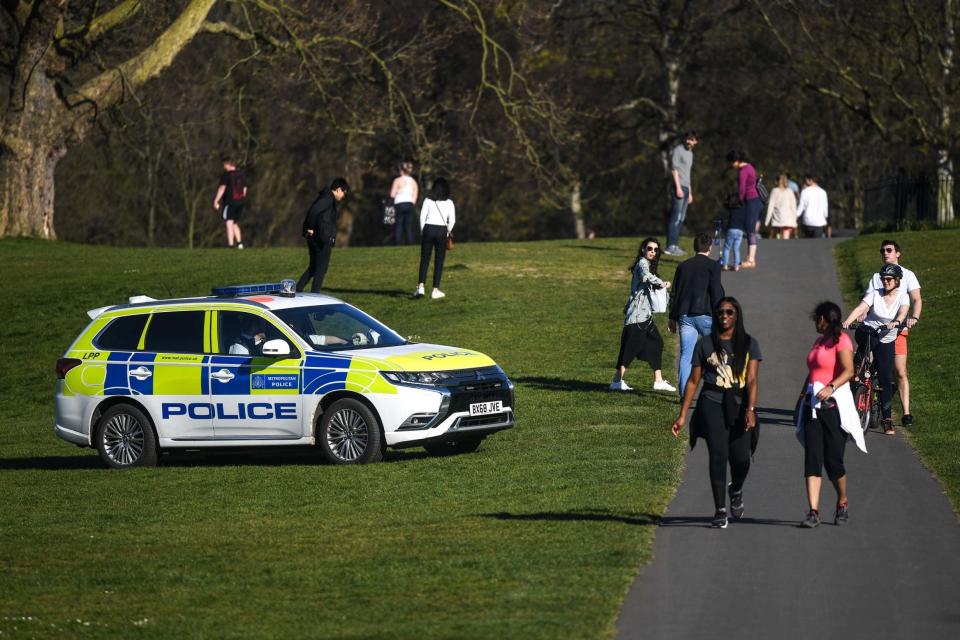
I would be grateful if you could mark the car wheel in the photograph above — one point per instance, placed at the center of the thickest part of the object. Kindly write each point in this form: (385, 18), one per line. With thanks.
(453, 447)
(125, 438)
(349, 433)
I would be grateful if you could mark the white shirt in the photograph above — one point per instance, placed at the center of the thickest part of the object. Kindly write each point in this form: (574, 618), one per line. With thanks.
(908, 283)
(813, 209)
(881, 313)
(405, 191)
(441, 213)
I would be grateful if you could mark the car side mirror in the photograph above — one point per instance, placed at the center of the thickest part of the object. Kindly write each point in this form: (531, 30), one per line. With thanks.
(276, 347)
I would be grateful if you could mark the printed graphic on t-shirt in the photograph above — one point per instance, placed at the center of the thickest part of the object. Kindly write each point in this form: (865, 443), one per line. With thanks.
(725, 377)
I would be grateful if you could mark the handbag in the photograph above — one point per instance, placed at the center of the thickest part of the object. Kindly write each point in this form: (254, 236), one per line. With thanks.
(659, 300)
(389, 213)
(450, 241)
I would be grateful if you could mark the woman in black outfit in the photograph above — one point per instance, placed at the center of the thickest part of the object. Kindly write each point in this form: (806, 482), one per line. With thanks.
(728, 360)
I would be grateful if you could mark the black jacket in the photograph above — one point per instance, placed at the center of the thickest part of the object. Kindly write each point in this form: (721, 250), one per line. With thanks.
(696, 288)
(322, 217)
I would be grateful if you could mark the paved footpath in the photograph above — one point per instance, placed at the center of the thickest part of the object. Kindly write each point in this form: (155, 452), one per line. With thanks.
(892, 572)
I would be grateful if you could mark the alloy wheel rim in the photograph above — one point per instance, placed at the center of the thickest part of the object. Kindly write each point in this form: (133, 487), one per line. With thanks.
(123, 439)
(347, 435)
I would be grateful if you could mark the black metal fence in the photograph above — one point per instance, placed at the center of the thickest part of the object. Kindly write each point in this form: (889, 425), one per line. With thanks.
(894, 202)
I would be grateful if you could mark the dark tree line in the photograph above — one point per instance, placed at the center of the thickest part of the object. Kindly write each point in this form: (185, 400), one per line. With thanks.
(551, 119)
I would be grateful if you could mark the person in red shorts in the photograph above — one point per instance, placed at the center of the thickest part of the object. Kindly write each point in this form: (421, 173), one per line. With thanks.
(890, 254)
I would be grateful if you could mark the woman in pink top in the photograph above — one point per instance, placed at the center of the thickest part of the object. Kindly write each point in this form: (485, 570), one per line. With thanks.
(830, 363)
(750, 199)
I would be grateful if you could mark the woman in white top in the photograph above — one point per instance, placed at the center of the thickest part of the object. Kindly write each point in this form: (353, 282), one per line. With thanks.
(405, 192)
(885, 309)
(782, 210)
(437, 217)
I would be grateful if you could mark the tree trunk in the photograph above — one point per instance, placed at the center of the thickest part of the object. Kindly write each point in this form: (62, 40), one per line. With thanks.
(26, 203)
(944, 187)
(576, 208)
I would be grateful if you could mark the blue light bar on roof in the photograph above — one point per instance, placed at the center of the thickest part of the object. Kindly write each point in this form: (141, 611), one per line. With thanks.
(285, 288)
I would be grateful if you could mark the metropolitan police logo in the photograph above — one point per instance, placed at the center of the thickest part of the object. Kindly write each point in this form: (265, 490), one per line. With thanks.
(259, 382)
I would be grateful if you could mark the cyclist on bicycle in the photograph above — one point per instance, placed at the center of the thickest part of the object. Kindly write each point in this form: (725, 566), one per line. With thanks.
(886, 309)
(890, 253)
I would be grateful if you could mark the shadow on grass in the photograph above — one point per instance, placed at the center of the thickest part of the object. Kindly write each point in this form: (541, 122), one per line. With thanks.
(643, 519)
(593, 247)
(560, 384)
(221, 458)
(389, 293)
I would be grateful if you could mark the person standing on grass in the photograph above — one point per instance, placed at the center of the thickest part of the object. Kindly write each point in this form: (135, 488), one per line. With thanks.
(827, 413)
(405, 193)
(750, 201)
(230, 200)
(437, 218)
(320, 230)
(696, 292)
(640, 337)
(681, 193)
(890, 254)
(814, 209)
(728, 360)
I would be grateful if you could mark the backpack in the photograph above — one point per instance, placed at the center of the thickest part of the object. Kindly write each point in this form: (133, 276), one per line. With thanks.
(762, 190)
(237, 184)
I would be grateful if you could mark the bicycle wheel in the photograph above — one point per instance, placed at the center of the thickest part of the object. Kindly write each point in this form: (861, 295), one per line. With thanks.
(874, 408)
(862, 401)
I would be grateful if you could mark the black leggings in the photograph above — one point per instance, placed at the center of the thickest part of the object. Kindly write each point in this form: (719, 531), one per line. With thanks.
(824, 442)
(433, 236)
(883, 354)
(725, 445)
(641, 341)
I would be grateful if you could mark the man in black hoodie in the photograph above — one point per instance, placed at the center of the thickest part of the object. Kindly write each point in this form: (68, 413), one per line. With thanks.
(320, 230)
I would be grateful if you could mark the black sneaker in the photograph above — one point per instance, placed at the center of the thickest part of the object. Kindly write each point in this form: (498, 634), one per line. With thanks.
(907, 420)
(812, 520)
(736, 502)
(719, 519)
(842, 515)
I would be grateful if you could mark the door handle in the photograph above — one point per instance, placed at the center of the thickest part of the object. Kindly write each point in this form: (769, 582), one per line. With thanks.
(223, 375)
(141, 373)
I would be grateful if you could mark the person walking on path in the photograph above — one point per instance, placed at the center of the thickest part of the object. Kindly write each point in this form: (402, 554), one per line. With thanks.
(728, 361)
(405, 192)
(814, 209)
(640, 337)
(230, 200)
(320, 230)
(696, 292)
(890, 254)
(885, 310)
(438, 215)
(827, 413)
(736, 227)
(751, 203)
(681, 193)
(781, 210)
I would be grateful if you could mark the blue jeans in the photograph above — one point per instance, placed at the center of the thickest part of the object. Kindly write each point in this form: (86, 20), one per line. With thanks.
(691, 328)
(403, 228)
(678, 212)
(734, 237)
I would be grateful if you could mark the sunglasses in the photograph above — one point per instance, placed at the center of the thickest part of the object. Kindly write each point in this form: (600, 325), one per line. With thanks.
(726, 312)
(888, 250)
(652, 248)
(887, 279)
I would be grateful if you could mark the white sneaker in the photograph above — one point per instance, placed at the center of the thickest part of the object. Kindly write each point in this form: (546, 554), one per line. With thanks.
(239, 245)
(437, 294)
(419, 292)
(620, 385)
(663, 385)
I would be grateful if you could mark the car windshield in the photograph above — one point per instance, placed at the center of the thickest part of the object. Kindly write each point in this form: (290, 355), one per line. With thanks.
(336, 327)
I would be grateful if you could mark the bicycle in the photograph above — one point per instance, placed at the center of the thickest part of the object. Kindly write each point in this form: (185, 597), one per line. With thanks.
(717, 232)
(866, 376)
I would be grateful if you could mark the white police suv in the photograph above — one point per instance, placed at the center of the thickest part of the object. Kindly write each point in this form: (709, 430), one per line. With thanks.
(261, 365)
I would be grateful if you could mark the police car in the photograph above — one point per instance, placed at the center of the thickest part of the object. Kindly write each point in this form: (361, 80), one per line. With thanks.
(262, 365)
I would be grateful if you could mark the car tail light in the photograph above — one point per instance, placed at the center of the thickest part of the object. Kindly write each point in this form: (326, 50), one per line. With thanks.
(64, 365)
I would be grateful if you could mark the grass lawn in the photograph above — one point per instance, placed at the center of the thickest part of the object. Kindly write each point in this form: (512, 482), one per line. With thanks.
(934, 345)
(537, 535)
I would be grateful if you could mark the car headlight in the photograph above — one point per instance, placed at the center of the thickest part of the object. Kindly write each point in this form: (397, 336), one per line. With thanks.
(417, 377)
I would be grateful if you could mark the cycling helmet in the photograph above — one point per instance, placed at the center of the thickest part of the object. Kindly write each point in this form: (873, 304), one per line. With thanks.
(891, 270)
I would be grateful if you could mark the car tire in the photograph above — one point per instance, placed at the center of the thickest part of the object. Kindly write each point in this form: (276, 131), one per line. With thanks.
(349, 433)
(125, 438)
(453, 447)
